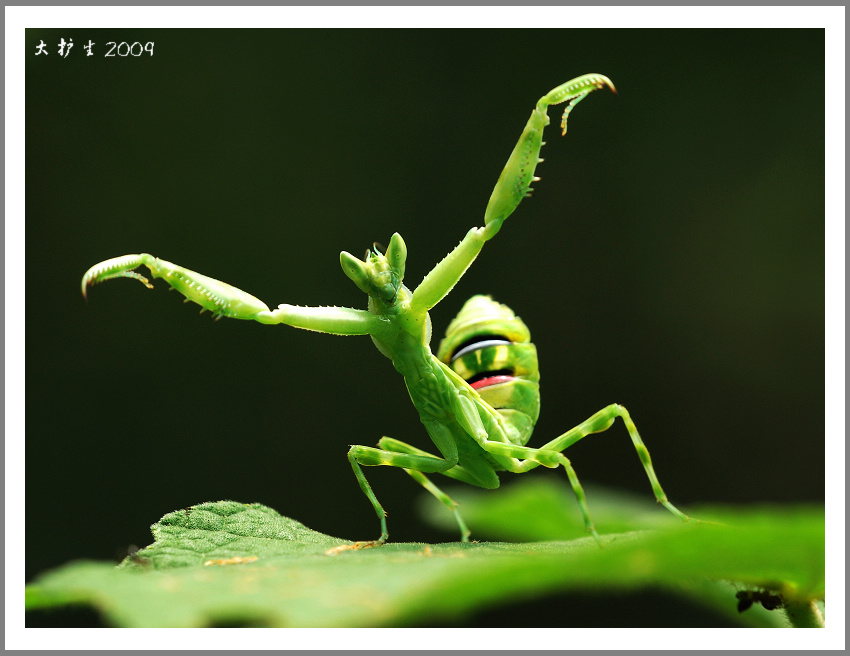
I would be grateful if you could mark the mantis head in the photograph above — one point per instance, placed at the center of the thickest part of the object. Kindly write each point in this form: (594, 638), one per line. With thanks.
(379, 274)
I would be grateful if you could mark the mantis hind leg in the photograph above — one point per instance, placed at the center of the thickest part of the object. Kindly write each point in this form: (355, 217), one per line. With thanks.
(549, 455)
(525, 458)
(602, 421)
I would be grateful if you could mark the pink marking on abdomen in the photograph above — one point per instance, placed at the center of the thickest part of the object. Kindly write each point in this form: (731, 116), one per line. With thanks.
(492, 380)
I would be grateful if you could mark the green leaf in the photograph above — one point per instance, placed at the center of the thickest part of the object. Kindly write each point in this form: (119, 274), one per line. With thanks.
(229, 563)
(223, 531)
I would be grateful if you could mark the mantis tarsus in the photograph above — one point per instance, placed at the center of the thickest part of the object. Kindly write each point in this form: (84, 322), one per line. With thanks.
(478, 398)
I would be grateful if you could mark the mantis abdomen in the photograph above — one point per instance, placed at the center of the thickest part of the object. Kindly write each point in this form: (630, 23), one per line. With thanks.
(490, 348)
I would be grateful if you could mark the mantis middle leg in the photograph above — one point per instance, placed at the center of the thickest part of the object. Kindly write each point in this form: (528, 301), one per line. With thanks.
(370, 456)
(412, 459)
(457, 472)
(415, 462)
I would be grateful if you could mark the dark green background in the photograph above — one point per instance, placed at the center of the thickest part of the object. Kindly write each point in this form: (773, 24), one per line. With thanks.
(672, 259)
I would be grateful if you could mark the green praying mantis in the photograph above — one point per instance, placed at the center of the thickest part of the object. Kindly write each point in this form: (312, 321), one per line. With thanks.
(478, 398)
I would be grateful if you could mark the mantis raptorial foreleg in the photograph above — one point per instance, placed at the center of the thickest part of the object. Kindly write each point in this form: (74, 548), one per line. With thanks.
(220, 298)
(225, 300)
(331, 320)
(513, 185)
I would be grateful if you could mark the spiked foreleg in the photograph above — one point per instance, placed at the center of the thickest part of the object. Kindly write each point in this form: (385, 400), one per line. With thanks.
(513, 185)
(443, 277)
(514, 182)
(220, 298)
(331, 320)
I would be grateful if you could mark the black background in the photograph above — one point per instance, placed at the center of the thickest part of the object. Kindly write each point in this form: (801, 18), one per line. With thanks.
(671, 259)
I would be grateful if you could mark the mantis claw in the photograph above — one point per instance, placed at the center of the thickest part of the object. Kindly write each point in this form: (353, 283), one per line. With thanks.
(117, 267)
(218, 297)
(515, 180)
(573, 91)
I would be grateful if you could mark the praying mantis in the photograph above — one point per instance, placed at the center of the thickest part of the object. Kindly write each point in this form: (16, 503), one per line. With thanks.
(478, 398)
